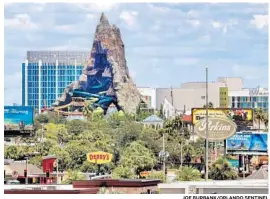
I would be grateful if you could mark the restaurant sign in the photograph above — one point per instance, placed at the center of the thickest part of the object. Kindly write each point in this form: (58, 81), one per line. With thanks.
(218, 129)
(99, 157)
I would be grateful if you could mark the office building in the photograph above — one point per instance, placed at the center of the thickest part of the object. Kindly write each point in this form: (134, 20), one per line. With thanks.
(45, 75)
(192, 94)
(226, 92)
(249, 98)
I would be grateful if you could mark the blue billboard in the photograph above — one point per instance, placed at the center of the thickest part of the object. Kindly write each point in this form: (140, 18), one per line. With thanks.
(18, 117)
(247, 143)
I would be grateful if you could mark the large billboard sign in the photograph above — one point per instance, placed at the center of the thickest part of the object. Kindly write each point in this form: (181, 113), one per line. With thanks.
(247, 143)
(218, 129)
(99, 157)
(18, 118)
(241, 117)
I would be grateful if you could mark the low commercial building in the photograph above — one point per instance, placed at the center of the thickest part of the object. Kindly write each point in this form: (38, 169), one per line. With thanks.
(216, 187)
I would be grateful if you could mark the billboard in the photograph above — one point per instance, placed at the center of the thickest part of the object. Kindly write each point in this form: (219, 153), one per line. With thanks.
(218, 129)
(241, 117)
(16, 115)
(99, 157)
(247, 143)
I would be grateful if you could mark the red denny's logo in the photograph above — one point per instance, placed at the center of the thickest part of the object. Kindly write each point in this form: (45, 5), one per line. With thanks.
(99, 157)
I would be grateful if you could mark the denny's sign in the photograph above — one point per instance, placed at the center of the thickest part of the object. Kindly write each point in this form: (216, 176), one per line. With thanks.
(218, 129)
(99, 157)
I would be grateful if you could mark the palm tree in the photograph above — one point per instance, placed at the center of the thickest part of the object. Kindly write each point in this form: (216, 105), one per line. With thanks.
(188, 174)
(210, 105)
(259, 116)
(265, 120)
(222, 170)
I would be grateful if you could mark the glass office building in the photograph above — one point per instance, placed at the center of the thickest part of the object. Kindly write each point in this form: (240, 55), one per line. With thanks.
(45, 75)
(249, 98)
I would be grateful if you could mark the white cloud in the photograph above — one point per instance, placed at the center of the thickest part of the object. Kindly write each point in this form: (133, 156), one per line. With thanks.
(65, 27)
(216, 24)
(193, 14)
(129, 18)
(90, 16)
(194, 22)
(20, 21)
(260, 21)
(248, 72)
(225, 25)
(98, 7)
(159, 9)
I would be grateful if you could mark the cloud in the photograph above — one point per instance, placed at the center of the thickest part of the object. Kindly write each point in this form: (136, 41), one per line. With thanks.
(129, 17)
(65, 27)
(98, 7)
(260, 21)
(224, 26)
(249, 72)
(194, 22)
(216, 24)
(20, 21)
(174, 41)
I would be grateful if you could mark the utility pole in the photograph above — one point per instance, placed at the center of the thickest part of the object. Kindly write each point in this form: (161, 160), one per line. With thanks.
(56, 170)
(163, 143)
(26, 178)
(172, 95)
(206, 131)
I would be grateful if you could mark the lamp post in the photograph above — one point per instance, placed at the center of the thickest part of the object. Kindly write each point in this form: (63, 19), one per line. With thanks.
(206, 131)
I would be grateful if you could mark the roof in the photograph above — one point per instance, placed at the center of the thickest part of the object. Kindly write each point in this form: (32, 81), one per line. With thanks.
(186, 118)
(153, 118)
(20, 167)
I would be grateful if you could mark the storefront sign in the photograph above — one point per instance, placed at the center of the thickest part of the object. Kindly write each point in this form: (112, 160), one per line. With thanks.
(218, 129)
(99, 157)
(145, 173)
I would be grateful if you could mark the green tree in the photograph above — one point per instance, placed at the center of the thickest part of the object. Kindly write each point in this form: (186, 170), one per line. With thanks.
(73, 175)
(123, 172)
(210, 105)
(127, 133)
(77, 151)
(138, 157)
(222, 170)
(42, 118)
(157, 175)
(36, 160)
(12, 152)
(93, 168)
(62, 156)
(188, 174)
(75, 127)
(44, 147)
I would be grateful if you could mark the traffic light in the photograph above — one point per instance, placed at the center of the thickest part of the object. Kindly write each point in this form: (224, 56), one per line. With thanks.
(47, 173)
(4, 174)
(166, 171)
(25, 173)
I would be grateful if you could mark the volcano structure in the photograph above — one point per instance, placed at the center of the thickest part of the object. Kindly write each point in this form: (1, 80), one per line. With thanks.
(105, 79)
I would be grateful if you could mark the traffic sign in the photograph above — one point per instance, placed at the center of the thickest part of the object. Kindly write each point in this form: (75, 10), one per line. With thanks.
(163, 154)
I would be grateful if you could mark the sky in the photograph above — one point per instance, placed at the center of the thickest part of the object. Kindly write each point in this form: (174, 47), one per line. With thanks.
(166, 43)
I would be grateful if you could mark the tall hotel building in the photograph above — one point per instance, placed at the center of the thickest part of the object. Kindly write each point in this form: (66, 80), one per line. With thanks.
(45, 75)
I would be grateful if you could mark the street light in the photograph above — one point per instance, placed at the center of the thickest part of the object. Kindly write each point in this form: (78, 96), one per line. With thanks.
(206, 131)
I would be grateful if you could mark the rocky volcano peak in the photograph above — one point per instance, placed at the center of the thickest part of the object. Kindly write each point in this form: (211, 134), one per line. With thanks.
(103, 23)
(106, 77)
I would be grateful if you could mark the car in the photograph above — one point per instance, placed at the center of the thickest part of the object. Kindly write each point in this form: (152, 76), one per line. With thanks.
(13, 182)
